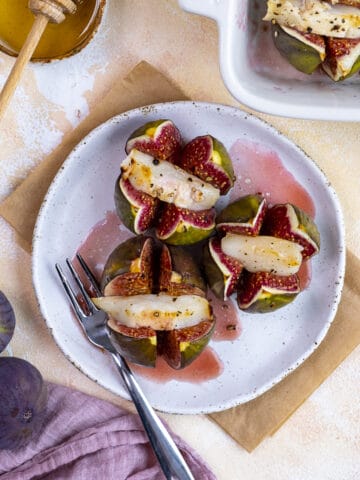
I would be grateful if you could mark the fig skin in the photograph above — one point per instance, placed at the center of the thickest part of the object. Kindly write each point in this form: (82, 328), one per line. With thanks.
(137, 210)
(7, 321)
(180, 226)
(138, 345)
(222, 272)
(129, 268)
(300, 55)
(179, 273)
(245, 216)
(181, 347)
(289, 222)
(207, 158)
(160, 138)
(253, 284)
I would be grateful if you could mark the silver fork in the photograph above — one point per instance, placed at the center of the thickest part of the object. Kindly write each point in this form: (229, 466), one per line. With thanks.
(94, 324)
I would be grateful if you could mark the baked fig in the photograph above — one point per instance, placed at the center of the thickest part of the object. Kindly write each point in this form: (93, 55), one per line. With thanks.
(289, 222)
(129, 268)
(7, 321)
(264, 253)
(181, 347)
(160, 138)
(343, 57)
(167, 182)
(264, 292)
(222, 272)
(179, 273)
(136, 209)
(304, 51)
(244, 216)
(180, 226)
(23, 400)
(207, 158)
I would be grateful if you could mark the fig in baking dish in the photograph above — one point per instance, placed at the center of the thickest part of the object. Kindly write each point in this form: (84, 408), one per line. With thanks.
(343, 57)
(167, 315)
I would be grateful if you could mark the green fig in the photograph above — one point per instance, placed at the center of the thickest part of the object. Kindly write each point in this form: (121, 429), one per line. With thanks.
(343, 57)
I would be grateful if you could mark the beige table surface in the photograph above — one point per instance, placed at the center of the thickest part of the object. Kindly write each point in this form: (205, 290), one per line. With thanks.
(322, 439)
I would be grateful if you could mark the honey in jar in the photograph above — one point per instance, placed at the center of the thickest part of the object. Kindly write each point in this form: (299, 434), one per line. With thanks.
(58, 40)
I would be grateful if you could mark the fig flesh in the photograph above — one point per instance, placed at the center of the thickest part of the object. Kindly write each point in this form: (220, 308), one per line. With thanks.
(207, 158)
(136, 209)
(167, 182)
(222, 271)
(304, 51)
(244, 216)
(181, 226)
(129, 268)
(7, 321)
(160, 139)
(289, 222)
(23, 399)
(179, 273)
(264, 292)
(343, 57)
(264, 253)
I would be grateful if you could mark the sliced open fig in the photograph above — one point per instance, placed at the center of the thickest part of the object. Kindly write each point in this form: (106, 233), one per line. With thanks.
(136, 209)
(264, 292)
(180, 226)
(167, 182)
(222, 271)
(304, 50)
(343, 57)
(160, 138)
(138, 345)
(129, 268)
(291, 223)
(181, 347)
(207, 158)
(179, 273)
(244, 216)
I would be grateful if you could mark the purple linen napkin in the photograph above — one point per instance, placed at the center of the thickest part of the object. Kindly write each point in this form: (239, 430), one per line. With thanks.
(86, 438)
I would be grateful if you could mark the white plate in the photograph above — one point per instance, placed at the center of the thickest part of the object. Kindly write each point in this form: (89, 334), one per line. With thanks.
(271, 345)
(256, 74)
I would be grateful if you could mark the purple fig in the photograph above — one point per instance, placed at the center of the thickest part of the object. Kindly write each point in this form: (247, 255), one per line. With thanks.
(179, 274)
(208, 159)
(129, 268)
(289, 222)
(264, 292)
(180, 226)
(222, 272)
(244, 216)
(160, 138)
(7, 321)
(136, 209)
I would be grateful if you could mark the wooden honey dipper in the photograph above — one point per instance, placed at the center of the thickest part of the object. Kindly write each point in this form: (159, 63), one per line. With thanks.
(45, 11)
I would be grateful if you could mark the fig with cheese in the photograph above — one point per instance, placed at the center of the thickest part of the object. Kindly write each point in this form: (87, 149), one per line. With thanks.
(343, 58)
(244, 216)
(263, 292)
(287, 221)
(160, 139)
(207, 158)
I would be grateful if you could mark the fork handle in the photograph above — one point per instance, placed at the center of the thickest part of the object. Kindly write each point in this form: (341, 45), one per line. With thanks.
(167, 453)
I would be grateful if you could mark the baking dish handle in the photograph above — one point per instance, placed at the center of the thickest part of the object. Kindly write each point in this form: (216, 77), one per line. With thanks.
(209, 8)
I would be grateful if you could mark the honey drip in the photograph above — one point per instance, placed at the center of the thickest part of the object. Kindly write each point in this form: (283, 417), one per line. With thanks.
(58, 40)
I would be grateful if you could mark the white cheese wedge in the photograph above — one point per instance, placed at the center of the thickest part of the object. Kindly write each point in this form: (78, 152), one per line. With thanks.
(169, 183)
(315, 16)
(160, 312)
(264, 253)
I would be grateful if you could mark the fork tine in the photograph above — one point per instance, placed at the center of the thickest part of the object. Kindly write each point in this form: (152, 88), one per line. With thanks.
(70, 293)
(87, 299)
(89, 274)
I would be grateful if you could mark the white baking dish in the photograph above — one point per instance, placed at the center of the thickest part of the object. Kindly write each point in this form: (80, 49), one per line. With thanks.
(256, 74)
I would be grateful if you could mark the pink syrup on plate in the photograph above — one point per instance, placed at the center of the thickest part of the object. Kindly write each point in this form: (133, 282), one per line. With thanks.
(258, 170)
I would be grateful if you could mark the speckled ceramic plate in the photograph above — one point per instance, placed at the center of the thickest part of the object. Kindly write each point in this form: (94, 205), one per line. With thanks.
(271, 345)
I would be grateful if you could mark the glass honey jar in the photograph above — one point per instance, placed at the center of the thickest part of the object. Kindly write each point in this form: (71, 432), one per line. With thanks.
(59, 40)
